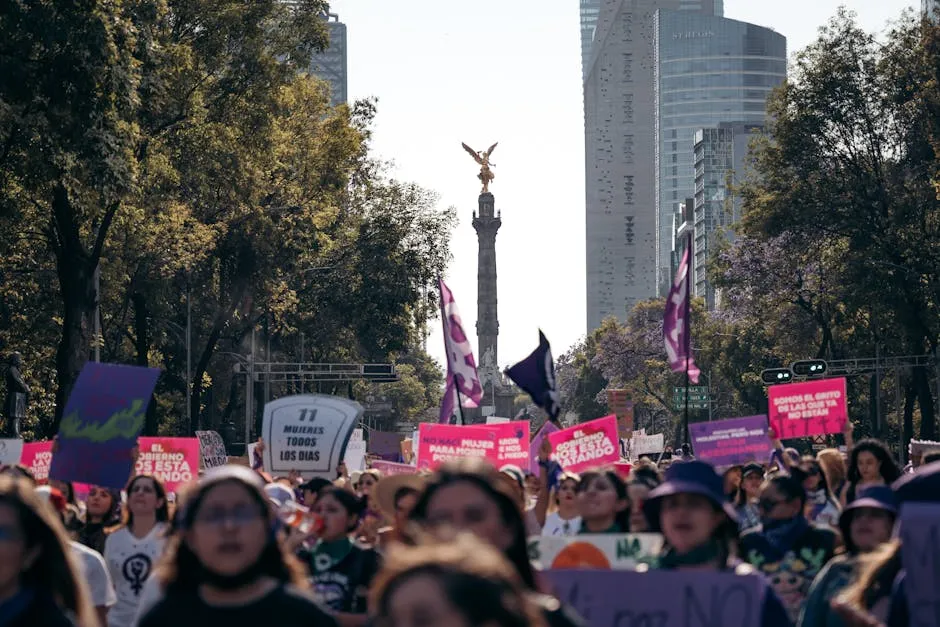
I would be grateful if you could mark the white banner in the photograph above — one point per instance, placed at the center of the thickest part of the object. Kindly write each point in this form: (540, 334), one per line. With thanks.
(355, 457)
(213, 449)
(11, 450)
(647, 444)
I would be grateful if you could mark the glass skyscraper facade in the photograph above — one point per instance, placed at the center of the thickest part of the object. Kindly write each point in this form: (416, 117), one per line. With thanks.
(330, 65)
(589, 11)
(708, 70)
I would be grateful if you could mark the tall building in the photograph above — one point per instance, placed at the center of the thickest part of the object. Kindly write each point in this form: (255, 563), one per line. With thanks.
(589, 10)
(330, 65)
(930, 7)
(709, 70)
(619, 120)
(718, 156)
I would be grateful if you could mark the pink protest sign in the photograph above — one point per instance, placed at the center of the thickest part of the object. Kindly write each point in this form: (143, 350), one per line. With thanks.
(799, 410)
(587, 445)
(175, 461)
(512, 443)
(541, 434)
(439, 443)
(37, 457)
(390, 469)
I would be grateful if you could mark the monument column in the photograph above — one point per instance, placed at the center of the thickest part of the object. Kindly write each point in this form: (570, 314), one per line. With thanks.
(486, 223)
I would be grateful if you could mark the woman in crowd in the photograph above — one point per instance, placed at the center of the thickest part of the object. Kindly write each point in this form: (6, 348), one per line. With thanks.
(39, 586)
(225, 567)
(732, 481)
(638, 490)
(604, 502)
(821, 507)
(700, 530)
(341, 570)
(396, 497)
(866, 523)
(459, 583)
(870, 463)
(132, 550)
(469, 495)
(102, 511)
(786, 547)
(565, 519)
(746, 502)
(833, 465)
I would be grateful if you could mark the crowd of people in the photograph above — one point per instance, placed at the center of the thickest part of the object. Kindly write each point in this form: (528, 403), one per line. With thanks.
(450, 548)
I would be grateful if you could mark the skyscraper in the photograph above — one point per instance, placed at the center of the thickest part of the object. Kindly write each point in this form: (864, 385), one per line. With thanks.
(930, 7)
(330, 65)
(709, 70)
(619, 119)
(589, 10)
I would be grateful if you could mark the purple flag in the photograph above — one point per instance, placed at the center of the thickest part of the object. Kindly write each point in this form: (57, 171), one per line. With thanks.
(536, 375)
(461, 368)
(676, 332)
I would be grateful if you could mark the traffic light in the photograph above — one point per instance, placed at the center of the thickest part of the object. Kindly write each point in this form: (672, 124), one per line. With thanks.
(773, 376)
(810, 368)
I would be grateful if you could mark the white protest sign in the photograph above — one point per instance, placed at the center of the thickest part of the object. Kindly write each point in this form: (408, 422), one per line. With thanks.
(251, 455)
(355, 457)
(595, 550)
(11, 450)
(308, 433)
(212, 448)
(496, 420)
(647, 444)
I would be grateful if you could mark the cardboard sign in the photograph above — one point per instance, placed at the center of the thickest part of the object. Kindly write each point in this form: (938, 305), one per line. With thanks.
(212, 448)
(37, 457)
(102, 419)
(308, 434)
(621, 403)
(587, 445)
(11, 450)
(595, 551)
(799, 410)
(660, 598)
(730, 442)
(920, 552)
(390, 469)
(647, 444)
(174, 461)
(512, 443)
(546, 429)
(439, 443)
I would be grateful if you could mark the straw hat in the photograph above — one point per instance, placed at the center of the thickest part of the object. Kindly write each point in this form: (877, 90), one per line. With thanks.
(387, 487)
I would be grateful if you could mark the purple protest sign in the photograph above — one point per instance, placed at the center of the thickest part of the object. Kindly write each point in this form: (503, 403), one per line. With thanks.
(733, 441)
(103, 417)
(385, 444)
(541, 434)
(660, 597)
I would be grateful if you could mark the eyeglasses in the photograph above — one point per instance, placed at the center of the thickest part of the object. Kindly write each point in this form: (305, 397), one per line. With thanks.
(240, 516)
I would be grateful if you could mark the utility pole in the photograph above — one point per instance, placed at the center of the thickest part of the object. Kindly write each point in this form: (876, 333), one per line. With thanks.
(97, 323)
(189, 357)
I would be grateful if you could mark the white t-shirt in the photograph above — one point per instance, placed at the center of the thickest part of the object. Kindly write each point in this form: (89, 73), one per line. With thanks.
(555, 525)
(130, 561)
(94, 571)
(149, 597)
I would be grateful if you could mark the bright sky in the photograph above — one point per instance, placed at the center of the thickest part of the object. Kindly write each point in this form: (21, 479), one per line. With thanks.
(447, 71)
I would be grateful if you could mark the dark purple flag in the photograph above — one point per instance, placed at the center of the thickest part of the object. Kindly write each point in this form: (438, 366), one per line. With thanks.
(676, 332)
(536, 375)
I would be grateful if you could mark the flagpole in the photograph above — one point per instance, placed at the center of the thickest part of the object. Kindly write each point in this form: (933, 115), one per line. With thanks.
(687, 336)
(463, 421)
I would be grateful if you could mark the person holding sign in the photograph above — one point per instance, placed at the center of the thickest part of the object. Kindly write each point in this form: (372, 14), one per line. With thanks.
(700, 528)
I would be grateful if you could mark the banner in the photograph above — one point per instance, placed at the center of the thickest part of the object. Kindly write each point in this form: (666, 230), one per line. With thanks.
(212, 448)
(596, 551)
(37, 458)
(647, 444)
(102, 419)
(661, 598)
(11, 450)
(308, 434)
(733, 441)
(174, 461)
(496, 420)
(355, 457)
(385, 444)
(512, 443)
(587, 445)
(920, 534)
(440, 443)
(390, 469)
(546, 429)
(799, 410)
(621, 403)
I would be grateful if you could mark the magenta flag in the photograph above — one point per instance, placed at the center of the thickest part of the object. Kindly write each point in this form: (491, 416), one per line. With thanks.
(676, 331)
(461, 368)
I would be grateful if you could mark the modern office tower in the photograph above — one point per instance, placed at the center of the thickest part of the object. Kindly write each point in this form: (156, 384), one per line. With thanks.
(589, 10)
(709, 70)
(619, 121)
(718, 157)
(330, 65)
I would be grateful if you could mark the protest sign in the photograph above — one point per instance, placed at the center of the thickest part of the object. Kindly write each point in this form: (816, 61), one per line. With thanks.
(512, 443)
(621, 403)
(496, 420)
(102, 419)
(595, 550)
(407, 451)
(212, 448)
(920, 552)
(546, 429)
(37, 458)
(390, 469)
(799, 410)
(623, 469)
(385, 444)
(175, 461)
(733, 441)
(308, 433)
(647, 444)
(355, 456)
(253, 456)
(916, 448)
(587, 445)
(661, 598)
(439, 443)
(11, 450)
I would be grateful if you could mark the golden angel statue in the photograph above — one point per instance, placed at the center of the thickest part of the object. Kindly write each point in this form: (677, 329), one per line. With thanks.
(486, 175)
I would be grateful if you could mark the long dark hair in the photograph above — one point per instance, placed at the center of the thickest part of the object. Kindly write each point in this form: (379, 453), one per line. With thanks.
(163, 511)
(180, 570)
(790, 486)
(809, 460)
(53, 569)
(889, 469)
(353, 505)
(621, 518)
(483, 476)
